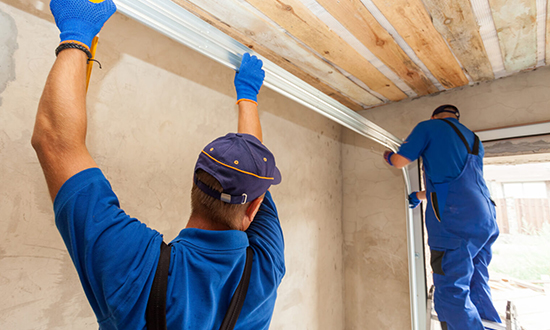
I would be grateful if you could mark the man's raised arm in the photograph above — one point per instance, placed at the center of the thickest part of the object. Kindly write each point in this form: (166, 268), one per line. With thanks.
(248, 81)
(59, 136)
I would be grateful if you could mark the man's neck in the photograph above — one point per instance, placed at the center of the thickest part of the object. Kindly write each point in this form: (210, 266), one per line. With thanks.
(446, 116)
(199, 222)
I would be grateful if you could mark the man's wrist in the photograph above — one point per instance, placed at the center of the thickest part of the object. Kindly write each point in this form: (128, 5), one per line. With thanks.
(70, 44)
(247, 100)
(72, 54)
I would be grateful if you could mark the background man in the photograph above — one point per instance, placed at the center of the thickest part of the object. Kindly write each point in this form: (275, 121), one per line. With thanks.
(460, 217)
(115, 255)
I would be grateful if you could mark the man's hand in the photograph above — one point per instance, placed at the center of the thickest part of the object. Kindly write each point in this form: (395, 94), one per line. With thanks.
(413, 200)
(81, 20)
(416, 197)
(387, 156)
(249, 79)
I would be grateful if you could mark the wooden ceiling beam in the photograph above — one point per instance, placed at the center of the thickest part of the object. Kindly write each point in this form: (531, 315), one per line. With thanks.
(516, 24)
(456, 22)
(364, 26)
(267, 40)
(413, 23)
(301, 23)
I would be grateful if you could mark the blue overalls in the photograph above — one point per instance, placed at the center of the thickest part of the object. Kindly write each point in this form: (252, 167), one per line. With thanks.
(462, 226)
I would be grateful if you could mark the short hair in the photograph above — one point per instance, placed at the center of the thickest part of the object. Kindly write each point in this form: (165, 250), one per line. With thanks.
(213, 209)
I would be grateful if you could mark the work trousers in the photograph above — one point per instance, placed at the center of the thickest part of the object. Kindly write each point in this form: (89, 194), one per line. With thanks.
(462, 295)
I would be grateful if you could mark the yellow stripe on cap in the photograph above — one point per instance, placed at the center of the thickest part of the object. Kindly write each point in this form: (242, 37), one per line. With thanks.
(236, 169)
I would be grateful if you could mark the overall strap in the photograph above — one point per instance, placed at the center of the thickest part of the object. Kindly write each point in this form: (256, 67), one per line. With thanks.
(476, 139)
(476, 145)
(155, 314)
(236, 304)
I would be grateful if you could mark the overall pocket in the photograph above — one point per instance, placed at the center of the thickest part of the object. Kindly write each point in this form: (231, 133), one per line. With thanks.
(441, 249)
(435, 206)
(439, 199)
(436, 259)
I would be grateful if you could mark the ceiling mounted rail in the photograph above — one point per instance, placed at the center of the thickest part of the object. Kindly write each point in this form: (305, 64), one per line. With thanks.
(177, 23)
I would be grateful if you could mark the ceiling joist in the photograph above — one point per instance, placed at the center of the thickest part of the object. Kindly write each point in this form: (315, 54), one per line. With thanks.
(364, 26)
(515, 21)
(366, 53)
(456, 22)
(251, 30)
(301, 23)
(413, 23)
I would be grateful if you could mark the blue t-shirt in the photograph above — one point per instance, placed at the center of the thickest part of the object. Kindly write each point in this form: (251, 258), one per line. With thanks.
(443, 152)
(116, 258)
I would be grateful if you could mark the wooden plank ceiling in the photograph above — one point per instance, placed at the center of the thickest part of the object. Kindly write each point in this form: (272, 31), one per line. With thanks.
(367, 53)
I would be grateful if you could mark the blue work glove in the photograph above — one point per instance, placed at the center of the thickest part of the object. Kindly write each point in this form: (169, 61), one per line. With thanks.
(81, 20)
(387, 156)
(249, 78)
(413, 200)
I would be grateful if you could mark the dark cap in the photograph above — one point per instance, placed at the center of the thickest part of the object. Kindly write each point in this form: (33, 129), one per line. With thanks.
(447, 108)
(244, 167)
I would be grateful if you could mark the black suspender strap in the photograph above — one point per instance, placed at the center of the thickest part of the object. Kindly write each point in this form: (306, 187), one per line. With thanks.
(476, 139)
(236, 304)
(155, 314)
(459, 135)
(476, 145)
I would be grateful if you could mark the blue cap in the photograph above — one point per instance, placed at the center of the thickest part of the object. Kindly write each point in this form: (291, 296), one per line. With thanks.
(244, 167)
(447, 108)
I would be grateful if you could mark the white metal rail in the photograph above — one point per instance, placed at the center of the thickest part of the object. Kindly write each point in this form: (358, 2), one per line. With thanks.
(175, 22)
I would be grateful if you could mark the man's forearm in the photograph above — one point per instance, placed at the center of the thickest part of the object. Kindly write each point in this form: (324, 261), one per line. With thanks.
(249, 120)
(62, 109)
(399, 161)
(421, 195)
(60, 128)
(248, 81)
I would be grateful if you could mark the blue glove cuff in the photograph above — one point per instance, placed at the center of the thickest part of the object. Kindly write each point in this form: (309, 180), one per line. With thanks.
(388, 157)
(247, 93)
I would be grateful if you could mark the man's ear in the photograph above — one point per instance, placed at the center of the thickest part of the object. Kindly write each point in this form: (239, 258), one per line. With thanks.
(251, 211)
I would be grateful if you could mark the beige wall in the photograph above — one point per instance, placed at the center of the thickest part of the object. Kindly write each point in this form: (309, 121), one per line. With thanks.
(517, 100)
(152, 108)
(375, 259)
(375, 243)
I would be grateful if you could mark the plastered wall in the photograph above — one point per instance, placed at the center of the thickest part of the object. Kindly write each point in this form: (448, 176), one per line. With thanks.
(520, 99)
(375, 260)
(151, 109)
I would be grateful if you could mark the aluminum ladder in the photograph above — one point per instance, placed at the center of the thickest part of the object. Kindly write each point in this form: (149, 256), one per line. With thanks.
(510, 324)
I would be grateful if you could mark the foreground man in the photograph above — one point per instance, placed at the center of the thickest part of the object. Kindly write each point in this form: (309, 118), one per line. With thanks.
(460, 217)
(116, 256)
